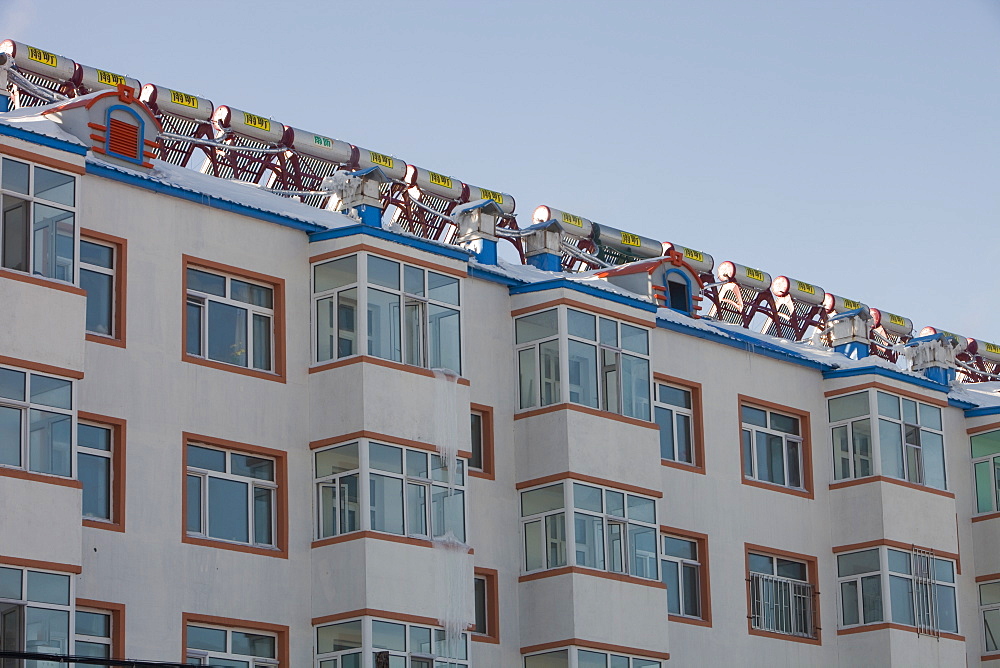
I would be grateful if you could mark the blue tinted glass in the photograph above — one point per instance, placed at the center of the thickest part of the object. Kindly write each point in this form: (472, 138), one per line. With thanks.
(199, 637)
(12, 384)
(205, 458)
(228, 516)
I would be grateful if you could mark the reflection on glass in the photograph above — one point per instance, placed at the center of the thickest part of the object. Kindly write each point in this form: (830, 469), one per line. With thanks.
(50, 444)
(227, 327)
(95, 474)
(228, 516)
(383, 325)
(99, 306)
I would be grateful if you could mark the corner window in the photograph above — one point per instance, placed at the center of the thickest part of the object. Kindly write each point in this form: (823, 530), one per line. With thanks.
(341, 645)
(36, 422)
(35, 610)
(989, 611)
(911, 440)
(102, 267)
(214, 646)
(674, 413)
(782, 593)
(773, 447)
(38, 230)
(587, 658)
(231, 496)
(685, 572)
(986, 466)
(611, 530)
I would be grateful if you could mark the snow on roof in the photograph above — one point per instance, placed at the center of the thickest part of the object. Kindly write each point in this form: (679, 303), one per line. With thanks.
(30, 120)
(981, 394)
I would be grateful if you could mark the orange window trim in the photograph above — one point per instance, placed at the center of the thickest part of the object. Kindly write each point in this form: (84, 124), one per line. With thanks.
(588, 411)
(375, 250)
(581, 477)
(278, 285)
(581, 570)
(909, 394)
(900, 545)
(488, 470)
(280, 458)
(372, 612)
(118, 436)
(705, 588)
(41, 368)
(840, 484)
(42, 281)
(117, 611)
(602, 646)
(812, 575)
(279, 630)
(805, 427)
(41, 565)
(697, 416)
(40, 159)
(378, 361)
(120, 285)
(583, 306)
(492, 634)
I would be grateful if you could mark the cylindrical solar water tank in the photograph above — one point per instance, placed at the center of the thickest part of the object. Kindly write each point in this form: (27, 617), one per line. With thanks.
(36, 61)
(392, 167)
(835, 304)
(626, 242)
(988, 351)
(94, 79)
(249, 125)
(318, 146)
(800, 291)
(963, 342)
(892, 323)
(504, 200)
(744, 276)
(433, 183)
(569, 223)
(177, 103)
(701, 262)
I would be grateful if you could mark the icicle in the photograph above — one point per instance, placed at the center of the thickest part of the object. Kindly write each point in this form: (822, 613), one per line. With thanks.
(455, 566)
(447, 431)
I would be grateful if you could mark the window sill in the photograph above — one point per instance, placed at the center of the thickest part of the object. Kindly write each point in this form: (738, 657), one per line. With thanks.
(987, 516)
(42, 281)
(107, 525)
(581, 570)
(222, 366)
(40, 477)
(235, 547)
(694, 621)
(485, 475)
(532, 412)
(377, 535)
(378, 361)
(682, 466)
(881, 626)
(106, 340)
(783, 636)
(840, 484)
(802, 493)
(492, 640)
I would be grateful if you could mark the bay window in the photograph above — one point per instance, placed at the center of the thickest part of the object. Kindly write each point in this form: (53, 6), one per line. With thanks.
(989, 611)
(36, 422)
(587, 658)
(986, 467)
(34, 610)
(345, 644)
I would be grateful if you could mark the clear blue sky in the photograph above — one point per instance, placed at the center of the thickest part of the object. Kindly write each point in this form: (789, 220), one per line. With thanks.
(851, 144)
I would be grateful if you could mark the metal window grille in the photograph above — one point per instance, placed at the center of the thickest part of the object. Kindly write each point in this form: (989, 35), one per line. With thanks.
(925, 593)
(781, 605)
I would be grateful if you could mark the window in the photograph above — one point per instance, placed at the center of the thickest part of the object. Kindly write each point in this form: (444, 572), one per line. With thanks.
(989, 610)
(607, 362)
(38, 231)
(100, 467)
(343, 645)
(412, 313)
(611, 530)
(234, 495)
(587, 658)
(773, 447)
(781, 595)
(102, 276)
(93, 634)
(852, 436)
(229, 320)
(210, 645)
(36, 422)
(408, 491)
(986, 465)
(481, 464)
(675, 413)
(486, 590)
(920, 586)
(34, 611)
(684, 568)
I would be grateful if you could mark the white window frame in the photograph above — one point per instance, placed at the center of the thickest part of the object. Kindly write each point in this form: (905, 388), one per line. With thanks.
(205, 657)
(23, 604)
(612, 659)
(26, 406)
(107, 641)
(112, 272)
(32, 199)
(677, 413)
(682, 564)
(413, 657)
(253, 484)
(983, 609)
(786, 439)
(202, 299)
(109, 455)
(917, 477)
(854, 458)
(992, 463)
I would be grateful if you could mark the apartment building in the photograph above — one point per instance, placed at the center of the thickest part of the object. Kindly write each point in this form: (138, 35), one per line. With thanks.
(248, 421)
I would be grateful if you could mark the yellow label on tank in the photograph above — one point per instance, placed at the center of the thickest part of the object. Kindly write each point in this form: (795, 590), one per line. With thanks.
(43, 57)
(570, 219)
(755, 274)
(491, 194)
(440, 179)
(381, 159)
(178, 97)
(851, 305)
(992, 348)
(896, 320)
(805, 287)
(110, 78)
(256, 121)
(692, 254)
(629, 239)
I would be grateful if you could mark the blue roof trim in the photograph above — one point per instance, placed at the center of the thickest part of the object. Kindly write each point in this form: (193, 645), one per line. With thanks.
(964, 405)
(476, 272)
(379, 233)
(42, 139)
(985, 410)
(886, 373)
(200, 198)
(557, 283)
(747, 344)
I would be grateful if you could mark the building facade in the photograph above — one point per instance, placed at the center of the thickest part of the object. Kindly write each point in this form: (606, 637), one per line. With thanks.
(239, 430)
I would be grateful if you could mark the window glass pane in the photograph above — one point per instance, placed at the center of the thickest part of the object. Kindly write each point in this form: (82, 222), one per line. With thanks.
(442, 288)
(642, 548)
(99, 307)
(641, 509)
(416, 509)
(420, 640)
(253, 644)
(641, 663)
(261, 342)
(536, 326)
(93, 624)
(944, 571)
(615, 503)
(616, 547)
(854, 563)
(251, 467)
(12, 384)
(15, 176)
(10, 436)
(533, 553)
(861, 433)
(385, 457)
(229, 663)
(841, 453)
(761, 564)
(989, 593)
(413, 280)
(984, 482)
(899, 562)
(933, 448)
(205, 458)
(982, 444)
(249, 293)
(227, 333)
(48, 588)
(752, 415)
(387, 504)
(383, 325)
(479, 593)
(674, 396)
(336, 273)
(930, 416)
(199, 637)
(991, 624)
(888, 405)
(678, 547)
(194, 504)
(901, 598)
(582, 325)
(202, 281)
(55, 186)
(444, 344)
(910, 411)
(549, 355)
(91, 649)
(90, 436)
(10, 583)
(95, 474)
(47, 628)
(338, 637)
(635, 339)
(475, 441)
(871, 598)
(847, 407)
(664, 418)
(794, 477)
(583, 373)
(587, 659)
(609, 333)
(559, 659)
(350, 510)
(891, 445)
(692, 602)
(51, 442)
(541, 500)
(96, 254)
(555, 540)
(670, 576)
(527, 382)
(386, 635)
(263, 500)
(383, 272)
(193, 335)
(784, 423)
(849, 602)
(448, 512)
(589, 541)
(228, 514)
(337, 460)
(416, 462)
(586, 497)
(55, 243)
(791, 569)
(635, 387)
(50, 391)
